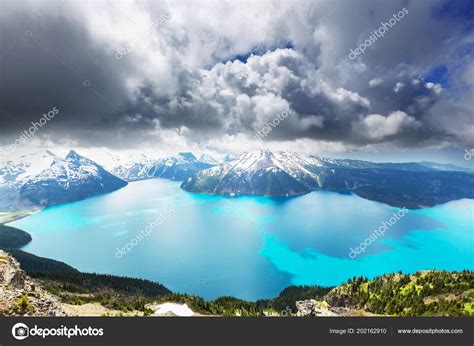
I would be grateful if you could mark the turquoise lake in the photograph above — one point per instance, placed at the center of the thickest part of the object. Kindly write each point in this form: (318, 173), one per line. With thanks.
(247, 247)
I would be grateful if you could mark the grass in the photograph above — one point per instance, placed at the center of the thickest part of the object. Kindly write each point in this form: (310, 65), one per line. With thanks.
(23, 303)
(469, 307)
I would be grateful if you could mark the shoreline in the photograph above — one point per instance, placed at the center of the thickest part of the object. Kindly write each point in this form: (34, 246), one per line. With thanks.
(8, 217)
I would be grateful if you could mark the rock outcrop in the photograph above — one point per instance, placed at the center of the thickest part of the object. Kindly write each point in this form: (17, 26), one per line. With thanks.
(313, 307)
(316, 308)
(20, 296)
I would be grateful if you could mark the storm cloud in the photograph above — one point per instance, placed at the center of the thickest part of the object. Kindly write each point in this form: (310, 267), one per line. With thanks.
(129, 74)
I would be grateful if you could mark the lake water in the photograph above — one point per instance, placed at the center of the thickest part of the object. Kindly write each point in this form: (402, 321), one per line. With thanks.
(247, 247)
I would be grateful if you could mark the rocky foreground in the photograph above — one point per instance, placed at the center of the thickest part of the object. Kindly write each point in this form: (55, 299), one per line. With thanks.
(20, 296)
(315, 308)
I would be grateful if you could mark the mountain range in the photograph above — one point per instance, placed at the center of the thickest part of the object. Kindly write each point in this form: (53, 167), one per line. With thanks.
(43, 178)
(178, 168)
(411, 185)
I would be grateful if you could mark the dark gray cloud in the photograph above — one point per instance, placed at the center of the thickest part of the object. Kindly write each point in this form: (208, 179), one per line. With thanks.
(50, 60)
(176, 78)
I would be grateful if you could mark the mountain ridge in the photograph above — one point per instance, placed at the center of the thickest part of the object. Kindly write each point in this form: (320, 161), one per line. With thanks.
(43, 179)
(260, 173)
(177, 167)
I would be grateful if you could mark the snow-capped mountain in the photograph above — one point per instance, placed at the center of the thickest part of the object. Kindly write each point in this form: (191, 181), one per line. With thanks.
(177, 167)
(206, 158)
(44, 179)
(132, 171)
(111, 161)
(410, 185)
(15, 171)
(256, 173)
(19, 169)
(132, 168)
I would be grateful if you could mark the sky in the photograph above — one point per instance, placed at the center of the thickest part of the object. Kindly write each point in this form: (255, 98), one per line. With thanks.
(159, 77)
